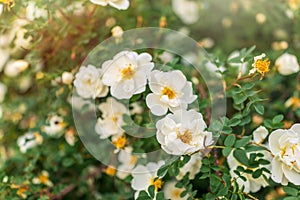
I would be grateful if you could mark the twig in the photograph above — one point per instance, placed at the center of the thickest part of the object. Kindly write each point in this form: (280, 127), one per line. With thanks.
(235, 83)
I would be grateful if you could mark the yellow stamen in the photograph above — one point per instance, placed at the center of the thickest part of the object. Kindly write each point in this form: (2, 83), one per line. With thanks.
(262, 66)
(110, 171)
(120, 142)
(44, 178)
(128, 72)
(169, 92)
(186, 137)
(157, 183)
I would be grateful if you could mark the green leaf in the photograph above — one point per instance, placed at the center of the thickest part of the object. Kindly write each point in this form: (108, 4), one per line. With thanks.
(257, 173)
(163, 170)
(259, 109)
(160, 195)
(241, 156)
(226, 151)
(240, 98)
(230, 140)
(277, 119)
(242, 142)
(290, 190)
(151, 191)
(143, 195)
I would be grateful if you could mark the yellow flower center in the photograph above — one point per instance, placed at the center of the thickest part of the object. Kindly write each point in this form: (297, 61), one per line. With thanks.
(186, 137)
(114, 119)
(21, 191)
(110, 171)
(176, 193)
(128, 72)
(157, 183)
(44, 179)
(120, 142)
(262, 66)
(169, 92)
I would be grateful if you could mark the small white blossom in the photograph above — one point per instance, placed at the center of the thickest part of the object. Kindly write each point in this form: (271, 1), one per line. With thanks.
(55, 127)
(88, 82)
(186, 10)
(183, 133)
(33, 12)
(67, 78)
(43, 178)
(119, 4)
(170, 90)
(127, 163)
(143, 176)
(111, 121)
(14, 68)
(127, 73)
(285, 146)
(28, 141)
(192, 167)
(287, 64)
(172, 192)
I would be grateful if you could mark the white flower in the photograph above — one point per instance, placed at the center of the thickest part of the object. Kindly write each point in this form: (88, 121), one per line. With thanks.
(43, 178)
(260, 134)
(143, 176)
(14, 68)
(287, 64)
(259, 65)
(285, 146)
(172, 192)
(33, 12)
(119, 4)
(251, 184)
(166, 57)
(127, 73)
(3, 90)
(28, 141)
(170, 90)
(183, 133)
(192, 167)
(117, 32)
(55, 127)
(88, 82)
(67, 78)
(186, 10)
(112, 118)
(127, 162)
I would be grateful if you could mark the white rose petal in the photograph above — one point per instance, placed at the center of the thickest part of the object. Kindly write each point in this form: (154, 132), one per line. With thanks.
(183, 133)
(170, 90)
(111, 120)
(88, 82)
(127, 73)
(260, 134)
(285, 146)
